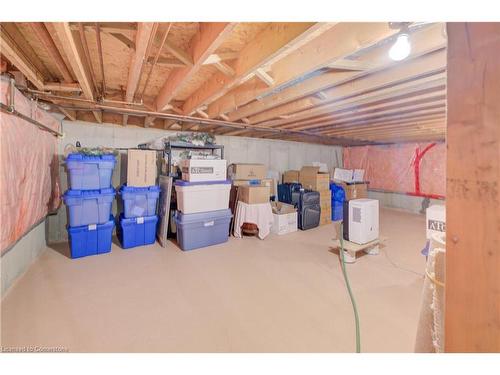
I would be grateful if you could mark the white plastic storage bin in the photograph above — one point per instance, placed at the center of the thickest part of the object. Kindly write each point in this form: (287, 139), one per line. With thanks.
(193, 197)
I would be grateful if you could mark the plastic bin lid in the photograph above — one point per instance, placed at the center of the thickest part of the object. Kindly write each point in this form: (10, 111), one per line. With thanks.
(82, 157)
(202, 216)
(72, 193)
(133, 189)
(133, 220)
(187, 183)
(106, 225)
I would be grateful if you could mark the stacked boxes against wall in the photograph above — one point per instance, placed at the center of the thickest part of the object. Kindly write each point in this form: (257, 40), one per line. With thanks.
(312, 178)
(253, 213)
(89, 202)
(138, 221)
(203, 215)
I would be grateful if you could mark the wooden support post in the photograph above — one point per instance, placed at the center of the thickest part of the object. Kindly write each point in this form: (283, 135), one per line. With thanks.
(472, 321)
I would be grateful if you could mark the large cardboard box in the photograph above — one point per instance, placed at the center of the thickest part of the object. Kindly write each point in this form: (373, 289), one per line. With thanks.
(242, 171)
(355, 190)
(264, 182)
(435, 217)
(195, 170)
(311, 178)
(254, 194)
(284, 218)
(291, 176)
(141, 168)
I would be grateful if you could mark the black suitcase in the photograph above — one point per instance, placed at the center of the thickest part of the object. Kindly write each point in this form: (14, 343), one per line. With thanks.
(309, 209)
(289, 192)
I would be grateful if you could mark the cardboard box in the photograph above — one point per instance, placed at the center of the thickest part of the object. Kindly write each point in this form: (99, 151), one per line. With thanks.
(284, 218)
(291, 176)
(195, 170)
(435, 218)
(264, 182)
(348, 175)
(141, 168)
(242, 171)
(254, 194)
(311, 178)
(355, 190)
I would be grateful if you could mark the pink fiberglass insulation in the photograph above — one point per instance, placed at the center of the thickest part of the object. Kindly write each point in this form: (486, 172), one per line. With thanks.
(393, 167)
(29, 171)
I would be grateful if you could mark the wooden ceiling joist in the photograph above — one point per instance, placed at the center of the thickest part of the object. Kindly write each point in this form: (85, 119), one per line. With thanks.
(358, 97)
(143, 40)
(334, 44)
(397, 106)
(44, 36)
(71, 51)
(15, 55)
(329, 83)
(201, 46)
(269, 45)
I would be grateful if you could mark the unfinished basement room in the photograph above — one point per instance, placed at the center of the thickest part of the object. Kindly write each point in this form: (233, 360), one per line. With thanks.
(250, 187)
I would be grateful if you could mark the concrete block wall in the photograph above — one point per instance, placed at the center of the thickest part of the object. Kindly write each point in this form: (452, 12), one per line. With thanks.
(275, 154)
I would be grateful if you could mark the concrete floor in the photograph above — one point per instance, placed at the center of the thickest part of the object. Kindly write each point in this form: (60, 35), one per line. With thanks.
(282, 294)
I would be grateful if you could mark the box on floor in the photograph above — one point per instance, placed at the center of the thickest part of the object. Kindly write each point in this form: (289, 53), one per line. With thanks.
(284, 218)
(355, 190)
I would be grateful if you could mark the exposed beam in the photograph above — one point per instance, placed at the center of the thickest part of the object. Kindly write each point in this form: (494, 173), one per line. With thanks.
(268, 46)
(71, 51)
(25, 48)
(221, 56)
(423, 42)
(354, 95)
(394, 106)
(179, 53)
(264, 77)
(224, 68)
(44, 36)
(201, 46)
(62, 87)
(15, 55)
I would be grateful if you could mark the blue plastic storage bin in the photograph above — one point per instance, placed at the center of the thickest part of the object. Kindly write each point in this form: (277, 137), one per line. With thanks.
(337, 211)
(137, 231)
(202, 229)
(90, 172)
(89, 206)
(139, 201)
(338, 193)
(91, 239)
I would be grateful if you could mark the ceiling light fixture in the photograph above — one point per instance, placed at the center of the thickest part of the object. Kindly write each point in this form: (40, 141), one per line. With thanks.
(401, 49)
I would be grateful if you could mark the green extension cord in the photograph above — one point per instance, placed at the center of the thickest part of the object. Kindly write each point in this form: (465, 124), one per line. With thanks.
(351, 296)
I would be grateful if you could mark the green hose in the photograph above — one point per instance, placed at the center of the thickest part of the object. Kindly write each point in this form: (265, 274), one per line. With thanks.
(351, 296)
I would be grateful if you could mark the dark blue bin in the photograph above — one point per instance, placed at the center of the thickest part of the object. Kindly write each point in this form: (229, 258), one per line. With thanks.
(202, 229)
(89, 206)
(337, 211)
(91, 239)
(139, 201)
(90, 172)
(137, 231)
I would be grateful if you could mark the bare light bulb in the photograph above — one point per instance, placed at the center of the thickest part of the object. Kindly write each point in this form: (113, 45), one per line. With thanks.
(401, 49)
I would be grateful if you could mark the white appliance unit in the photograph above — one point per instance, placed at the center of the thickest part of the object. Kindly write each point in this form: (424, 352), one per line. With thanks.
(361, 220)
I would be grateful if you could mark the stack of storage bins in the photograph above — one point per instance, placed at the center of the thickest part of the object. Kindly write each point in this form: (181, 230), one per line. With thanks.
(203, 214)
(89, 202)
(137, 223)
(338, 197)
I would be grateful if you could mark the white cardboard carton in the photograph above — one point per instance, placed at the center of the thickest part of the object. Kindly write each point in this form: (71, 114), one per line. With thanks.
(348, 175)
(435, 219)
(284, 218)
(195, 170)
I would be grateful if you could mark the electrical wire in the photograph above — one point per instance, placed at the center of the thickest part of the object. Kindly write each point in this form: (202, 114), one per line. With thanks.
(348, 285)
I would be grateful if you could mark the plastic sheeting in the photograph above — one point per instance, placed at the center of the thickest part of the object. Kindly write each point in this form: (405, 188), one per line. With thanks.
(29, 171)
(395, 167)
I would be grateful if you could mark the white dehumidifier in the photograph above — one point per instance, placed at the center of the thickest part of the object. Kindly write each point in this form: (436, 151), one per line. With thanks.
(360, 220)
